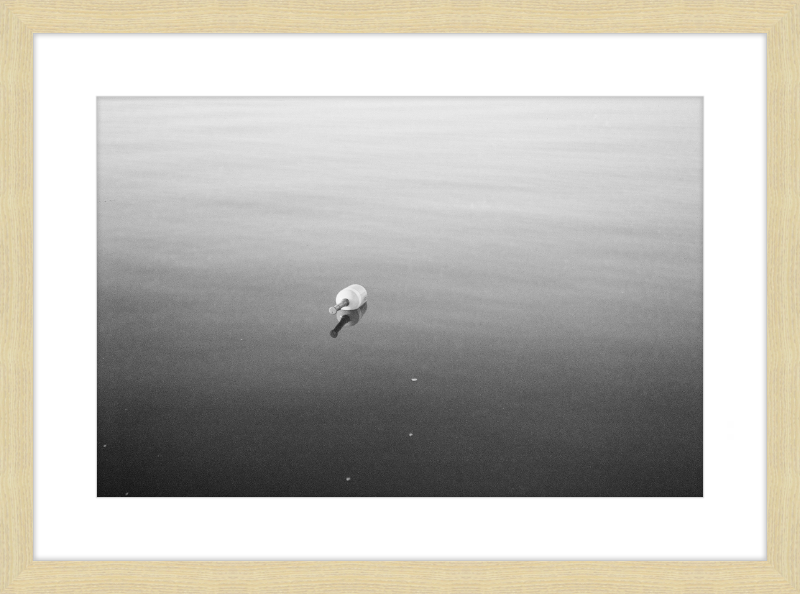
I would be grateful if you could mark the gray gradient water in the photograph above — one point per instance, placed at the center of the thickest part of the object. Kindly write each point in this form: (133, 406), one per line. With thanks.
(534, 264)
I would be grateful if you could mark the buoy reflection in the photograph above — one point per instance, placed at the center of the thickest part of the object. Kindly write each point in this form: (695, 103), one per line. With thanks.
(348, 318)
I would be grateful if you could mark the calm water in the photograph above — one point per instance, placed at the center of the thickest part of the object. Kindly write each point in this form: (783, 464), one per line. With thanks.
(535, 264)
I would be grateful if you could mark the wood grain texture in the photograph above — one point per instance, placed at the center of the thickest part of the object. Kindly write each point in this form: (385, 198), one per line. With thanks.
(399, 16)
(401, 577)
(16, 298)
(19, 20)
(783, 272)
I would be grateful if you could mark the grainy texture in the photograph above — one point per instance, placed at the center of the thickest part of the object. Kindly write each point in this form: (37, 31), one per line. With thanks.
(19, 20)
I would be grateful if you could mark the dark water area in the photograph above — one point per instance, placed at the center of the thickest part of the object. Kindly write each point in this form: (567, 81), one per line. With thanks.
(534, 264)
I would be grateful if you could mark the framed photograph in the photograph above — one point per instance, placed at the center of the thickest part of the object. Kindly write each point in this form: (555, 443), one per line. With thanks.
(402, 296)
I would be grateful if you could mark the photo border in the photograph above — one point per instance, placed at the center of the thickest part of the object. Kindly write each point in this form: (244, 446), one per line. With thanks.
(20, 20)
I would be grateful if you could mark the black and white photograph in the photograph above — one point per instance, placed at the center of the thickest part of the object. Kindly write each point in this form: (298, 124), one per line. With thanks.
(400, 297)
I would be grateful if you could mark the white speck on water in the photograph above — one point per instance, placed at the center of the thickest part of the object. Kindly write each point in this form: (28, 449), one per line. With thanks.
(413, 379)
(410, 434)
(104, 445)
(347, 479)
(126, 493)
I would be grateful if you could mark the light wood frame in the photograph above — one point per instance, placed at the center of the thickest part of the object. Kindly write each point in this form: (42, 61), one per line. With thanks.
(20, 19)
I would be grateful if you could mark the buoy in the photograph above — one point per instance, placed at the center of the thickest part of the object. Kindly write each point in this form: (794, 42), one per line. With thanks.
(349, 298)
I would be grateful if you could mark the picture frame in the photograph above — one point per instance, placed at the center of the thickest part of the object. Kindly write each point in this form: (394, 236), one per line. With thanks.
(19, 21)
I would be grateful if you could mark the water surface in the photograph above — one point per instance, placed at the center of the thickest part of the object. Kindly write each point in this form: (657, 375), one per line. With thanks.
(535, 265)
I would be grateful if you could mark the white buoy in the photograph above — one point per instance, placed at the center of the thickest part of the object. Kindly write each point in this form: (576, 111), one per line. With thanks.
(350, 298)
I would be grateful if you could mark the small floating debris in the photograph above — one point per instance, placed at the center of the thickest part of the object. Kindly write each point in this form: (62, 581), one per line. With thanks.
(349, 298)
(413, 379)
(347, 479)
(410, 434)
(104, 445)
(126, 493)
